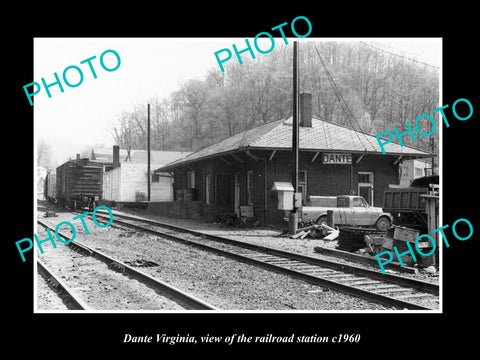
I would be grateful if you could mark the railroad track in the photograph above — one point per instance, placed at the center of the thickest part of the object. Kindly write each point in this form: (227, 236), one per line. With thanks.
(389, 290)
(185, 300)
(60, 287)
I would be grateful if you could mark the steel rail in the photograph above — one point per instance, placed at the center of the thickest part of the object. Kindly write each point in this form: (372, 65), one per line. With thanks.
(60, 287)
(363, 259)
(289, 256)
(395, 279)
(182, 298)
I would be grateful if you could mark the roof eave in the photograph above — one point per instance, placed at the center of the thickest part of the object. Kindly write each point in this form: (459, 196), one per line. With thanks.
(185, 162)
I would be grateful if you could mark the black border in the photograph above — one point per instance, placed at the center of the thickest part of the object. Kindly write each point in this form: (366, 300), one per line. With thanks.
(89, 333)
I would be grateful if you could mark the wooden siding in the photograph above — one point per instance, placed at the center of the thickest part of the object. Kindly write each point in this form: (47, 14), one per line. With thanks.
(111, 185)
(83, 181)
(77, 179)
(129, 183)
(50, 185)
(162, 190)
(321, 179)
(133, 179)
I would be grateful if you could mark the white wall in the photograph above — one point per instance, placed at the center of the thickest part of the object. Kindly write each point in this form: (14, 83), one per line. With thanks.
(162, 190)
(409, 169)
(134, 179)
(111, 184)
(122, 183)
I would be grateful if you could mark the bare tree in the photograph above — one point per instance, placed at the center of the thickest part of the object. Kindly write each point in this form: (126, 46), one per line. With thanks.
(191, 97)
(352, 84)
(161, 123)
(43, 153)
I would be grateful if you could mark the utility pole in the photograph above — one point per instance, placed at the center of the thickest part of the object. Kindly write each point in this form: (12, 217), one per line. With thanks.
(148, 151)
(293, 218)
(432, 144)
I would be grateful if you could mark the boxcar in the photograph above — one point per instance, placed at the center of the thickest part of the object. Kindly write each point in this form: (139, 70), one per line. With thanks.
(77, 181)
(50, 190)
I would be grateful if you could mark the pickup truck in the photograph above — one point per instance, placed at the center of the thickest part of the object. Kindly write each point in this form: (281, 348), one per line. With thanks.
(349, 210)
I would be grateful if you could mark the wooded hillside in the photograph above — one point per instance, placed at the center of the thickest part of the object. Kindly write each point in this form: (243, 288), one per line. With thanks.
(354, 84)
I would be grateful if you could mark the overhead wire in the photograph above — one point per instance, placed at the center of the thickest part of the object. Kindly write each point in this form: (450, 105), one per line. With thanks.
(398, 55)
(343, 104)
(326, 134)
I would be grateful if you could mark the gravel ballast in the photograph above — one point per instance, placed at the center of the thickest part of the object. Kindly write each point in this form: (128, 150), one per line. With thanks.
(270, 237)
(222, 282)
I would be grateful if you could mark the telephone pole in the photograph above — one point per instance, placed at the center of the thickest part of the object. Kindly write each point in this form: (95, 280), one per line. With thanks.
(148, 151)
(293, 218)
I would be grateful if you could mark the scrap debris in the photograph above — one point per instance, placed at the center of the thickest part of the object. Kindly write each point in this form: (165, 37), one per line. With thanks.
(315, 231)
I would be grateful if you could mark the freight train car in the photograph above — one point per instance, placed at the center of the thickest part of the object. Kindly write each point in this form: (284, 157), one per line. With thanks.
(77, 181)
(50, 190)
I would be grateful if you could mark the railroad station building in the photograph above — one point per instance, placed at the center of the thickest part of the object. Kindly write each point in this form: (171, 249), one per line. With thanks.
(125, 174)
(241, 170)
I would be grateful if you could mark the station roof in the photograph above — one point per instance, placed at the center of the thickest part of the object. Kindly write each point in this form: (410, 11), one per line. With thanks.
(277, 135)
(105, 155)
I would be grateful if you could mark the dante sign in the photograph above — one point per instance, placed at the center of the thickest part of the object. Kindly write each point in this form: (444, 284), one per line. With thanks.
(329, 158)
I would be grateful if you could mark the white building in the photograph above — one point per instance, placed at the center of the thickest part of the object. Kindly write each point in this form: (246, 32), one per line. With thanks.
(412, 169)
(125, 176)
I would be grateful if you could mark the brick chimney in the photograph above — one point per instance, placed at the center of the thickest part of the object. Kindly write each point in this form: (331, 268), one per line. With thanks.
(305, 104)
(116, 156)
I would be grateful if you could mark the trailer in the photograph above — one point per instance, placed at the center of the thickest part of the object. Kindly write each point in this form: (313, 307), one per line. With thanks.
(77, 181)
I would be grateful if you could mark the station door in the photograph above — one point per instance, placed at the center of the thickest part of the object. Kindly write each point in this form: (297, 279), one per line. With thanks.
(224, 190)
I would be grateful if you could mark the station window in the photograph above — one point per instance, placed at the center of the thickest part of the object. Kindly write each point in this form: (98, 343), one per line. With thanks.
(365, 177)
(155, 178)
(418, 172)
(191, 179)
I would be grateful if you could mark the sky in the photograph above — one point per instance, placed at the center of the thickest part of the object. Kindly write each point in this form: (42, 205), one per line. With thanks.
(150, 67)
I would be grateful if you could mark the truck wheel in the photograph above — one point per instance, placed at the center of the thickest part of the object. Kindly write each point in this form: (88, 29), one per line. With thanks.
(383, 223)
(321, 220)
